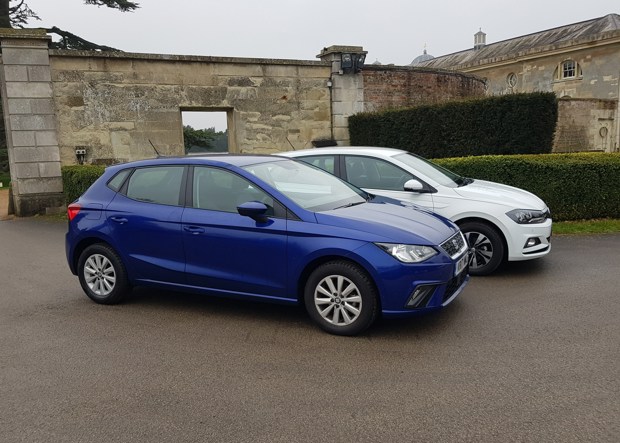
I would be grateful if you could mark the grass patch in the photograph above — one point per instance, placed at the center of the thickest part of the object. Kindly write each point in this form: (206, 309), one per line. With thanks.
(597, 226)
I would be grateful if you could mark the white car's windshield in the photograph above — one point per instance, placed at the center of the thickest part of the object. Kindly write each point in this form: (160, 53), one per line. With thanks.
(435, 172)
(309, 187)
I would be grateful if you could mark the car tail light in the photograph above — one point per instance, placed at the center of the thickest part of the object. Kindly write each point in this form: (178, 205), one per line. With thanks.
(72, 210)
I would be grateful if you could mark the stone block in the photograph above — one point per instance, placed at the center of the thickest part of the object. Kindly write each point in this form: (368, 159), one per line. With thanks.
(25, 56)
(50, 169)
(28, 154)
(28, 90)
(39, 74)
(16, 73)
(32, 122)
(42, 106)
(47, 138)
(25, 170)
(19, 106)
(23, 138)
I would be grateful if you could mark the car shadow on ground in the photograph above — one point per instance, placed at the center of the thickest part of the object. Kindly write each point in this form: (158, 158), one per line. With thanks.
(294, 317)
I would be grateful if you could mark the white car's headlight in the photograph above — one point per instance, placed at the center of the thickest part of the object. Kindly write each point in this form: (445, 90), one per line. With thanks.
(528, 216)
(408, 253)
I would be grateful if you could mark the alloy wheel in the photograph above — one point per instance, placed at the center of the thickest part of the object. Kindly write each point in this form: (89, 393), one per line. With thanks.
(99, 274)
(338, 300)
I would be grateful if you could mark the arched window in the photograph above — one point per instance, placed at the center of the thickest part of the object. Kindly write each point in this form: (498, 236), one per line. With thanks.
(568, 69)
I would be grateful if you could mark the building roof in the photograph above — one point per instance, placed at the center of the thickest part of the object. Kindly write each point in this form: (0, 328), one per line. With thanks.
(568, 35)
(421, 58)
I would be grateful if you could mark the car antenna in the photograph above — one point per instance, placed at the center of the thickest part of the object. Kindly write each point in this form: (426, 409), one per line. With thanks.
(154, 148)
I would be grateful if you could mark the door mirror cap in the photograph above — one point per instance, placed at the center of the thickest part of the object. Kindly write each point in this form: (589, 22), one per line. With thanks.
(413, 185)
(254, 210)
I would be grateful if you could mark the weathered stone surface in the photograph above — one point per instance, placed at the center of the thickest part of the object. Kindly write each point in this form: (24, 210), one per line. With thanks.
(28, 90)
(49, 169)
(25, 56)
(23, 138)
(39, 74)
(15, 73)
(47, 138)
(36, 154)
(32, 122)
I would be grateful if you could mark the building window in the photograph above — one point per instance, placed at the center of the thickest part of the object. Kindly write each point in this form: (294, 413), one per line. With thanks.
(511, 80)
(568, 69)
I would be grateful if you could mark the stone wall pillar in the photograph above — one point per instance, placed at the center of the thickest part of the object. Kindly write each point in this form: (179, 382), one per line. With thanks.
(347, 87)
(30, 122)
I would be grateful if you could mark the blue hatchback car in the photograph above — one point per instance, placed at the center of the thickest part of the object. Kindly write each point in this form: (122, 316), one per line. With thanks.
(263, 228)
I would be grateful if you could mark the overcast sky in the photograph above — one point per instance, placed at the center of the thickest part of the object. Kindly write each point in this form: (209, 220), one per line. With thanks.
(392, 31)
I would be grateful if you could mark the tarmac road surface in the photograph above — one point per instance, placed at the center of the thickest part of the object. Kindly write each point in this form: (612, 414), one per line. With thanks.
(530, 354)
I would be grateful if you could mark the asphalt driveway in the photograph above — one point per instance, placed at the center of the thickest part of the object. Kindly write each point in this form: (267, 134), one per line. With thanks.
(530, 354)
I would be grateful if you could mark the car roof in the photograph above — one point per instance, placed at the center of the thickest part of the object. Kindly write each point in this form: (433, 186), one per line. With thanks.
(220, 159)
(368, 150)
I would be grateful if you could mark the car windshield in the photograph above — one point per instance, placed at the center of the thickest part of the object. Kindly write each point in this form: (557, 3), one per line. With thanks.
(309, 187)
(435, 172)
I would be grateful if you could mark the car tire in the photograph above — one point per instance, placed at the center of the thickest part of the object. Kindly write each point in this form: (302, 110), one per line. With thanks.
(102, 274)
(488, 247)
(341, 298)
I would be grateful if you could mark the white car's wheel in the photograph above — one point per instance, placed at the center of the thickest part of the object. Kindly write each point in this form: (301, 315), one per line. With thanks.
(488, 247)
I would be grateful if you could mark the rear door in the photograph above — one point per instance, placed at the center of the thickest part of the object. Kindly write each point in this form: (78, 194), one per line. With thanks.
(144, 219)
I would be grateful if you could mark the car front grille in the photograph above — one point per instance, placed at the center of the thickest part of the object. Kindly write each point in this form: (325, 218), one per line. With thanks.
(455, 245)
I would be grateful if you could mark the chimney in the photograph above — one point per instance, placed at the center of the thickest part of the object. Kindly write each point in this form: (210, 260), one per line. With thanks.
(480, 39)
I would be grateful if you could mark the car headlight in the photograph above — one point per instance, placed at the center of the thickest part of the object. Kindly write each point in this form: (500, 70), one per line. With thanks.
(408, 253)
(528, 216)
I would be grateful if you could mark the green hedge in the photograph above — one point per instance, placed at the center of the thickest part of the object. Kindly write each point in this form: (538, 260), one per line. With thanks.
(77, 179)
(509, 124)
(574, 186)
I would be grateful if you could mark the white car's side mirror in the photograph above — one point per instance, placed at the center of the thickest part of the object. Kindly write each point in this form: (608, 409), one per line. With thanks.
(413, 185)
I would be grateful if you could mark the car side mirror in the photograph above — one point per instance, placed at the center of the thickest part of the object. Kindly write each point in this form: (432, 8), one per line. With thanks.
(255, 210)
(413, 185)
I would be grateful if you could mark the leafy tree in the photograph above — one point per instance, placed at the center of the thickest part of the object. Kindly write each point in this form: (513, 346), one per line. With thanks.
(18, 14)
(198, 138)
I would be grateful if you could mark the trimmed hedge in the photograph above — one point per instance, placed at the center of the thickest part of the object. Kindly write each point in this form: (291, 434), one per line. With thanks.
(76, 179)
(509, 124)
(574, 186)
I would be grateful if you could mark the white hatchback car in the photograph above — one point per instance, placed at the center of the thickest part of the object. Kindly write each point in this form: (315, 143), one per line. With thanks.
(500, 222)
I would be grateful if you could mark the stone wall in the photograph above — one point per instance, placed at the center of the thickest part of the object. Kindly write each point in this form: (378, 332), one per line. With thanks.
(586, 125)
(388, 87)
(115, 105)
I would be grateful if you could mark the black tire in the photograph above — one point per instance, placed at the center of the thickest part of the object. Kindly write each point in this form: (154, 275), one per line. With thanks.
(488, 247)
(348, 309)
(102, 274)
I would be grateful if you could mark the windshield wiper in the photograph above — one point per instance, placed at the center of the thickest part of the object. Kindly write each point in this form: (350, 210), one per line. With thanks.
(348, 205)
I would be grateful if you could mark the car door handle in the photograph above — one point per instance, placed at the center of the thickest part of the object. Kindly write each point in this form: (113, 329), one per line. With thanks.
(193, 230)
(121, 220)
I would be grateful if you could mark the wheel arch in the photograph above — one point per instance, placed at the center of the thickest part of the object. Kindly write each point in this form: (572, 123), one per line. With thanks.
(495, 226)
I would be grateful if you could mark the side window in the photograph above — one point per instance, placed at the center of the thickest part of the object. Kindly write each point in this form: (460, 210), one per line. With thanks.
(117, 181)
(220, 190)
(156, 184)
(366, 172)
(325, 162)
